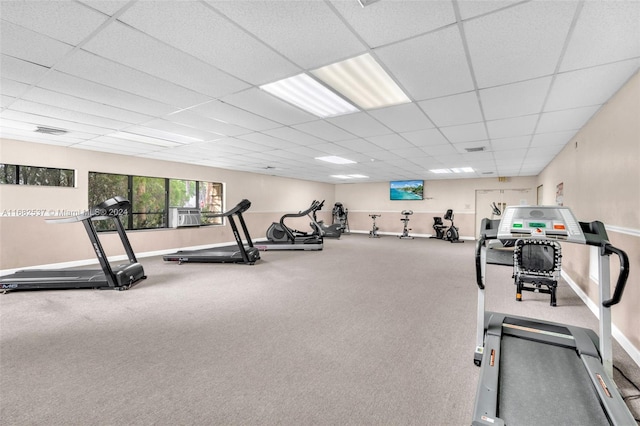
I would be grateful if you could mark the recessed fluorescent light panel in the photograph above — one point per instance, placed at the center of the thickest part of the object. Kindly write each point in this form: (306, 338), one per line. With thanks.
(363, 81)
(335, 160)
(350, 176)
(453, 170)
(306, 93)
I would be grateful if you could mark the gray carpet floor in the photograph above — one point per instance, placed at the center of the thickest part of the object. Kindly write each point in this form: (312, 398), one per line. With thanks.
(365, 332)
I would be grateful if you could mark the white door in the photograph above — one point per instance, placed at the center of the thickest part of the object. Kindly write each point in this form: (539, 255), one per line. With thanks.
(502, 197)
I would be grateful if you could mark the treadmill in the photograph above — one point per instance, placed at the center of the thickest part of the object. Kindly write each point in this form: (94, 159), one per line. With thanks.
(539, 372)
(281, 237)
(120, 277)
(238, 253)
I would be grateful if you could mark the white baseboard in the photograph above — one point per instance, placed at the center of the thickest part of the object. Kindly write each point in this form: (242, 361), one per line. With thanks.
(633, 352)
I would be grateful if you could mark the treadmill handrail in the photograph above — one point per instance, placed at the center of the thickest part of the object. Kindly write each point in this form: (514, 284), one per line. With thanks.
(241, 207)
(479, 245)
(622, 276)
(113, 207)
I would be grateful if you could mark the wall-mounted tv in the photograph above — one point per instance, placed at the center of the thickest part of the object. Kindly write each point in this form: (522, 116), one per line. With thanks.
(406, 190)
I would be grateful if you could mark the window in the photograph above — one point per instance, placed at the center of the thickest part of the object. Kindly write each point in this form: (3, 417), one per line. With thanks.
(33, 175)
(210, 201)
(149, 202)
(152, 197)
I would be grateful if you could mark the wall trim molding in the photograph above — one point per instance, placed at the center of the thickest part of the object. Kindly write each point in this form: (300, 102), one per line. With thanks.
(626, 344)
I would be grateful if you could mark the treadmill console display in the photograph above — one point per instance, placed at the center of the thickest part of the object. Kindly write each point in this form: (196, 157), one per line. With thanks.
(549, 222)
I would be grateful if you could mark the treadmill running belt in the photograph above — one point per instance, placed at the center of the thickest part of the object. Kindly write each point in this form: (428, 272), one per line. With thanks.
(547, 385)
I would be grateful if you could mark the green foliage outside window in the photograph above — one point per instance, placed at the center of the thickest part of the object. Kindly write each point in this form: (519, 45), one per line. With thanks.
(150, 198)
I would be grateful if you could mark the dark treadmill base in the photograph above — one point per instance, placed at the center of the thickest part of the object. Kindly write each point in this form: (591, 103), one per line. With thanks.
(546, 385)
(228, 254)
(42, 279)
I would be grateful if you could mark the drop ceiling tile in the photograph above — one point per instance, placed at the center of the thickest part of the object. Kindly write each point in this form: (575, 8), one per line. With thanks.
(605, 32)
(5, 101)
(292, 135)
(221, 111)
(518, 43)
(314, 23)
(359, 145)
(556, 138)
(194, 120)
(190, 132)
(515, 99)
(66, 21)
(472, 8)
(12, 88)
(60, 100)
(323, 130)
(427, 137)
(38, 120)
(512, 127)
(513, 155)
(438, 151)
(392, 141)
(417, 17)
(115, 145)
(18, 70)
(570, 119)
(465, 132)
(402, 118)
(267, 141)
(453, 110)
(226, 46)
(74, 86)
(263, 104)
(30, 46)
(510, 143)
(360, 124)
(66, 114)
(90, 67)
(137, 50)
(592, 86)
(412, 153)
(440, 69)
(21, 135)
(108, 7)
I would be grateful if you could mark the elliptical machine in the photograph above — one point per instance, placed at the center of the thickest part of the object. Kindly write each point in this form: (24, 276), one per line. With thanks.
(374, 231)
(406, 229)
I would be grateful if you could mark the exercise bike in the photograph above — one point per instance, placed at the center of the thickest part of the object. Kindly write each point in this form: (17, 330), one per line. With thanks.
(446, 233)
(374, 231)
(406, 229)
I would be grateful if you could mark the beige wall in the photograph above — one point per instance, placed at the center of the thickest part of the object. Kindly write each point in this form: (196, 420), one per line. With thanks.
(363, 199)
(44, 243)
(600, 172)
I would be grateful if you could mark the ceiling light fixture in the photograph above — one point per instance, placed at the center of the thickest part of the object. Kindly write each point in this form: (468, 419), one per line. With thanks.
(462, 170)
(440, 171)
(363, 81)
(306, 93)
(335, 160)
(356, 176)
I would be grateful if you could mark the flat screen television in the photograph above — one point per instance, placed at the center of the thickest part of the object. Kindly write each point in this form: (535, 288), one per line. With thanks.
(406, 190)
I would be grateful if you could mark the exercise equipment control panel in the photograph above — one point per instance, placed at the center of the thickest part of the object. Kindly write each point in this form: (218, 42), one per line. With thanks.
(550, 222)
